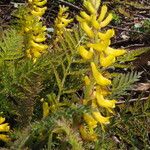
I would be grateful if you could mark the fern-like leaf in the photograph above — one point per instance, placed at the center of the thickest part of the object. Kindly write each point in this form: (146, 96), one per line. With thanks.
(133, 54)
(11, 45)
(124, 82)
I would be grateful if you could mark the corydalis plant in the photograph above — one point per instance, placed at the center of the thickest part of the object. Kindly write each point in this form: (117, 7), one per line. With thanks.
(34, 30)
(101, 56)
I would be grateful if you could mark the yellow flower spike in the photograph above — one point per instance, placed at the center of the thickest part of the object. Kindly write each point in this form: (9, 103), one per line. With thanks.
(92, 123)
(108, 104)
(88, 5)
(98, 76)
(41, 47)
(87, 136)
(96, 3)
(40, 3)
(106, 21)
(85, 53)
(4, 138)
(87, 29)
(115, 52)
(102, 13)
(105, 36)
(101, 119)
(87, 80)
(107, 61)
(101, 46)
(95, 23)
(45, 109)
(85, 15)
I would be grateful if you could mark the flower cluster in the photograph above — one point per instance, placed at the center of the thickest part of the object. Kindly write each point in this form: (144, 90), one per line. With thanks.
(4, 127)
(34, 29)
(101, 56)
(62, 20)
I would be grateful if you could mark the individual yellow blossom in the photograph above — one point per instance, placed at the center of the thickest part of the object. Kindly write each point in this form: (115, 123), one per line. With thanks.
(106, 61)
(4, 127)
(86, 135)
(101, 46)
(89, 6)
(108, 104)
(115, 52)
(85, 15)
(102, 13)
(101, 119)
(87, 29)
(4, 138)
(98, 76)
(106, 36)
(85, 53)
(105, 22)
(92, 123)
(94, 22)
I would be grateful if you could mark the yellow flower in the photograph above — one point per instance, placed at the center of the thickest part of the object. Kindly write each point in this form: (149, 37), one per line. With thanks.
(115, 52)
(85, 53)
(4, 127)
(106, 36)
(102, 13)
(101, 46)
(88, 5)
(4, 138)
(101, 119)
(106, 21)
(87, 29)
(108, 104)
(92, 123)
(40, 3)
(85, 15)
(98, 76)
(95, 23)
(106, 61)
(86, 135)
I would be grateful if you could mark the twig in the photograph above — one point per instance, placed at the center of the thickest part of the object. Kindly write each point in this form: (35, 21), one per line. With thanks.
(132, 100)
(69, 4)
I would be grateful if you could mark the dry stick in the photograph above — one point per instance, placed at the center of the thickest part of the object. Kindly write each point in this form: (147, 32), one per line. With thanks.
(69, 4)
(132, 100)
